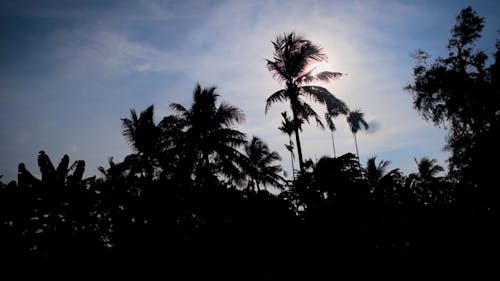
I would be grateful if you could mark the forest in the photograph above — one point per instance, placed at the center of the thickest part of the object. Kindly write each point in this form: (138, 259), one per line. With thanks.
(193, 197)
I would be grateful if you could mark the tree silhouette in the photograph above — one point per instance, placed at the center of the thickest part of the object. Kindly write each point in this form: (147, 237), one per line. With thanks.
(332, 128)
(290, 65)
(461, 93)
(46, 168)
(424, 184)
(355, 119)
(54, 219)
(180, 195)
(427, 169)
(379, 179)
(143, 135)
(376, 174)
(288, 128)
(261, 168)
(209, 134)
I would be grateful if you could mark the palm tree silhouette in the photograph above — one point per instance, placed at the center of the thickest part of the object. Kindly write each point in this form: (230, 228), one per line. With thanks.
(332, 128)
(209, 134)
(355, 119)
(373, 172)
(290, 65)
(288, 128)
(261, 169)
(143, 135)
(427, 169)
(378, 177)
(424, 184)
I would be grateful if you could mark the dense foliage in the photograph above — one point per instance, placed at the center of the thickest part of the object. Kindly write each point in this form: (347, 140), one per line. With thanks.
(461, 93)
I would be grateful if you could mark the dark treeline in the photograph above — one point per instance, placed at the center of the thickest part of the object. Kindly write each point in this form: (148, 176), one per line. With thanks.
(192, 198)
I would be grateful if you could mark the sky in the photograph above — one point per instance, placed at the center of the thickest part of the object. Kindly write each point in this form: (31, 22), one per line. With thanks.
(70, 70)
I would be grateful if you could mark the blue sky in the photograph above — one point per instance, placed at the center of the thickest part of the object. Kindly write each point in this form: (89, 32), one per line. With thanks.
(71, 69)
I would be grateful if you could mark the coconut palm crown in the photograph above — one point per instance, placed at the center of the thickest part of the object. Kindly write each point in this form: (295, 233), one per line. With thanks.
(293, 56)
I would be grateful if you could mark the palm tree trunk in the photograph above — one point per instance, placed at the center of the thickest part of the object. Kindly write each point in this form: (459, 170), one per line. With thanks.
(291, 158)
(297, 139)
(333, 143)
(356, 143)
(299, 150)
(357, 155)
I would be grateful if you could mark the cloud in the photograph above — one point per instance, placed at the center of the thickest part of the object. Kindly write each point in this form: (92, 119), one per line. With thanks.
(354, 44)
(99, 50)
(143, 10)
(230, 52)
(132, 55)
(373, 127)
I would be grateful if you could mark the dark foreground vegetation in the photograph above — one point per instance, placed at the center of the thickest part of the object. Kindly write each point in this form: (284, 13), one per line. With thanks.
(192, 199)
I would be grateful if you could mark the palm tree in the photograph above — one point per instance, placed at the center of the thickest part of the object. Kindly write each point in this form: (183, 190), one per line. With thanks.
(424, 184)
(290, 65)
(332, 128)
(355, 119)
(261, 169)
(143, 135)
(141, 131)
(173, 148)
(288, 128)
(375, 173)
(208, 132)
(427, 169)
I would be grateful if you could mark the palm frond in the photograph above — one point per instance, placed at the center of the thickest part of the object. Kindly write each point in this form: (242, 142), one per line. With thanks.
(287, 126)
(305, 78)
(229, 115)
(260, 166)
(428, 168)
(306, 112)
(321, 95)
(278, 96)
(277, 68)
(328, 75)
(129, 129)
(329, 122)
(355, 119)
(178, 108)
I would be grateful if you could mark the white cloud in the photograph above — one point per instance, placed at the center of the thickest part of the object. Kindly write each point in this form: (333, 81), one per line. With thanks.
(227, 47)
(349, 34)
(230, 48)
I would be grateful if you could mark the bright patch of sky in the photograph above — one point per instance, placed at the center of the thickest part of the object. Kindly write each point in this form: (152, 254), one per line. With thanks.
(71, 69)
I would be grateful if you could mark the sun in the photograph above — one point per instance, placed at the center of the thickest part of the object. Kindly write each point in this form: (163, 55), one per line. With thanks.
(320, 67)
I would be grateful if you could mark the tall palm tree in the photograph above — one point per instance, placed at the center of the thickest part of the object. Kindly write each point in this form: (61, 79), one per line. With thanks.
(332, 128)
(261, 169)
(288, 128)
(208, 132)
(355, 119)
(291, 66)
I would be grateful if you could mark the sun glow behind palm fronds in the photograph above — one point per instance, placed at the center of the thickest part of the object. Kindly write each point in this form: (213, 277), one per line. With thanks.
(320, 67)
